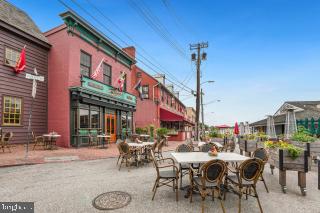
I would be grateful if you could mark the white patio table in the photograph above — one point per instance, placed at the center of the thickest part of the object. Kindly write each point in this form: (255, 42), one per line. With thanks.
(201, 143)
(203, 157)
(143, 144)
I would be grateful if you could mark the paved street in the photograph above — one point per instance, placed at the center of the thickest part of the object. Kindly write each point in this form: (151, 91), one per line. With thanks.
(71, 187)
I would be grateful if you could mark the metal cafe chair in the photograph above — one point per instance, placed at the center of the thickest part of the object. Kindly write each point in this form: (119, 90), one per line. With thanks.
(37, 140)
(245, 179)
(262, 154)
(208, 179)
(165, 177)
(5, 140)
(184, 168)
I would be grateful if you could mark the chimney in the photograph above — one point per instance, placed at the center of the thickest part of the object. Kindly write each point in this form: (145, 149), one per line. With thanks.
(170, 87)
(160, 78)
(131, 51)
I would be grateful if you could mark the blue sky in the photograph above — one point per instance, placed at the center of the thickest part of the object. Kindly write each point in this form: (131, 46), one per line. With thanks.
(261, 53)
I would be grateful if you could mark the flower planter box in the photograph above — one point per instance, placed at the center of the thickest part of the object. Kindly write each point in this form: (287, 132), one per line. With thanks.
(280, 159)
(247, 146)
(260, 144)
(219, 140)
(313, 148)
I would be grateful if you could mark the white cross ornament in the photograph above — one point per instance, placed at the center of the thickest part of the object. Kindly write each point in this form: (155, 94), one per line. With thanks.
(35, 78)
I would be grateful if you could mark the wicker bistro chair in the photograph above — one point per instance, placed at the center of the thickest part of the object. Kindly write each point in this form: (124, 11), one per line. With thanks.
(184, 168)
(207, 147)
(5, 140)
(120, 151)
(208, 179)
(126, 155)
(148, 149)
(245, 179)
(158, 152)
(165, 177)
(37, 140)
(262, 154)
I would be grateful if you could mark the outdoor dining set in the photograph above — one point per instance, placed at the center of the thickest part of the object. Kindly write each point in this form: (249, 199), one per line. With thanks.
(47, 141)
(210, 175)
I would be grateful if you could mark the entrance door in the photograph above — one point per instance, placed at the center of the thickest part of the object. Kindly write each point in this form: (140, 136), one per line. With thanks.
(110, 125)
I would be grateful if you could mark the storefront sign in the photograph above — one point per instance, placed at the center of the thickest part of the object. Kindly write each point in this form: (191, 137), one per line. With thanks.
(94, 85)
(108, 90)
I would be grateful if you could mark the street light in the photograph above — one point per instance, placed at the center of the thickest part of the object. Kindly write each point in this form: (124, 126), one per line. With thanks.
(202, 116)
(210, 81)
(211, 102)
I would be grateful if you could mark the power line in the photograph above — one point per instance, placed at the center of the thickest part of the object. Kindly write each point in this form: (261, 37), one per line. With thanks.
(176, 17)
(68, 7)
(153, 21)
(160, 67)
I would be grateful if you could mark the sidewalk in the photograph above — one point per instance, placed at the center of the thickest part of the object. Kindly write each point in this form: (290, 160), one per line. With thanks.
(39, 156)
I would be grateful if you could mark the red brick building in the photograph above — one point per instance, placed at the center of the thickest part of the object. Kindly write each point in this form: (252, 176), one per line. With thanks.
(160, 106)
(77, 104)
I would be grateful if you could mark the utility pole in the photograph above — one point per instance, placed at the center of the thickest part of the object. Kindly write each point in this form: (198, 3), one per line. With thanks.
(196, 57)
(202, 116)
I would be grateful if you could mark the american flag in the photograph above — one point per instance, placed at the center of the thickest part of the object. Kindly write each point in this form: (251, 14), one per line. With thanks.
(121, 80)
(98, 70)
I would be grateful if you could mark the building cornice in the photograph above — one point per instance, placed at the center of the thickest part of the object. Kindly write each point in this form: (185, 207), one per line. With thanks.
(77, 26)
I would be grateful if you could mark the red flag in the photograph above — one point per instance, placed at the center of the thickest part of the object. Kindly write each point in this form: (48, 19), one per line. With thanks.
(21, 63)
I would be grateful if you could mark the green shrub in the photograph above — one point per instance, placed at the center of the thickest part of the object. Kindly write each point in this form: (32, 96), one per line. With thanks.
(140, 130)
(161, 132)
(151, 130)
(302, 135)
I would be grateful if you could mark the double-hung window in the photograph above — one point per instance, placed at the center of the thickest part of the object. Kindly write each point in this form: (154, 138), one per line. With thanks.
(12, 111)
(145, 92)
(107, 74)
(85, 64)
(11, 57)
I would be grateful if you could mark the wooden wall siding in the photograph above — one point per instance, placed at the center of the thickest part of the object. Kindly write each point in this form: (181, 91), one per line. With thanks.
(17, 85)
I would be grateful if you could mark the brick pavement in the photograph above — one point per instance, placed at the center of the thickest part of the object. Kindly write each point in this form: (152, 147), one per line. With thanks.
(39, 156)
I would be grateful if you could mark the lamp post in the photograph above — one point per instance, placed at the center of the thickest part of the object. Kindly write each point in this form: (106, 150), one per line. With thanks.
(202, 116)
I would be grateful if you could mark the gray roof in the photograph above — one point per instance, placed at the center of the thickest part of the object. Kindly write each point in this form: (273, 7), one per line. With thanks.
(310, 110)
(19, 19)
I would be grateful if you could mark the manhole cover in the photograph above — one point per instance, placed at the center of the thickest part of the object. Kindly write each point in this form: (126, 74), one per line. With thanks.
(111, 200)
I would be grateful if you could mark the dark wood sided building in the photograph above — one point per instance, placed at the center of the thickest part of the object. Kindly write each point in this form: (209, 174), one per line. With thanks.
(16, 30)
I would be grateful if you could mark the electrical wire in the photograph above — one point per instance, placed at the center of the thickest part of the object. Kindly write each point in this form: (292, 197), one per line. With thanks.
(158, 66)
(67, 6)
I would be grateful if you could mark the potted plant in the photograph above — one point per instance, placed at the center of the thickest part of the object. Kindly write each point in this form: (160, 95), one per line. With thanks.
(161, 132)
(151, 130)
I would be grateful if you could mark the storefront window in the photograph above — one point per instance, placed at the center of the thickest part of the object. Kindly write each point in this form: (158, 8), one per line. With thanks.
(95, 115)
(84, 118)
(123, 120)
(129, 121)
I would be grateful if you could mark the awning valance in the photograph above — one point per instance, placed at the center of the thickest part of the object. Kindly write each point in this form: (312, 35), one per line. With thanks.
(166, 115)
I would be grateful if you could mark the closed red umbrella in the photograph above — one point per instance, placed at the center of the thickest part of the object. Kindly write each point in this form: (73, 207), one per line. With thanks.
(236, 129)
